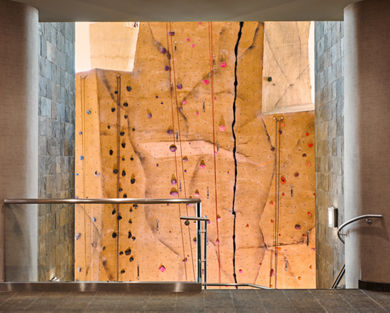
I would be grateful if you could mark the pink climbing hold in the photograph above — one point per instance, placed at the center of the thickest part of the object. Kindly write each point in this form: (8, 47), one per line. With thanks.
(206, 81)
(202, 164)
(223, 64)
(184, 102)
(188, 39)
(240, 271)
(193, 45)
(218, 218)
(173, 181)
(173, 148)
(197, 113)
(162, 268)
(174, 192)
(222, 128)
(197, 193)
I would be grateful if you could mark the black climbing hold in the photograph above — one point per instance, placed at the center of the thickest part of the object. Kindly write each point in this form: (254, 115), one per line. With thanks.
(130, 221)
(128, 88)
(304, 155)
(128, 251)
(131, 259)
(115, 171)
(112, 109)
(104, 262)
(123, 145)
(120, 189)
(111, 152)
(129, 235)
(123, 173)
(121, 253)
(133, 238)
(122, 133)
(116, 92)
(104, 248)
(123, 159)
(132, 181)
(187, 222)
(123, 271)
(131, 159)
(113, 212)
(126, 116)
(133, 129)
(114, 235)
(119, 217)
(124, 195)
(135, 206)
(131, 210)
(108, 126)
(125, 104)
(269, 78)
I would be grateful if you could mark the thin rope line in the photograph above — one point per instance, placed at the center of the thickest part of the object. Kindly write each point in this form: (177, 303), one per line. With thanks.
(211, 71)
(174, 142)
(82, 82)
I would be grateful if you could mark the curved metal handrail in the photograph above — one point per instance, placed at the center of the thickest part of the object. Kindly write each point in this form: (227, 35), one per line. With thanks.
(367, 217)
(102, 201)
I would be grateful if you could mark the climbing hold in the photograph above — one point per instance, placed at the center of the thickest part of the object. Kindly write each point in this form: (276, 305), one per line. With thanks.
(108, 126)
(123, 271)
(80, 133)
(79, 269)
(116, 92)
(133, 238)
(112, 109)
(123, 145)
(132, 180)
(272, 221)
(131, 159)
(167, 68)
(240, 271)
(218, 218)
(197, 113)
(197, 193)
(271, 202)
(125, 116)
(93, 219)
(123, 173)
(163, 50)
(114, 235)
(310, 144)
(119, 217)
(272, 148)
(184, 102)
(111, 152)
(162, 268)
(174, 192)
(149, 115)
(88, 111)
(130, 221)
(223, 64)
(308, 164)
(206, 81)
(131, 259)
(297, 226)
(202, 164)
(125, 195)
(247, 225)
(128, 251)
(188, 39)
(283, 180)
(187, 222)
(193, 45)
(296, 174)
(77, 236)
(185, 159)
(307, 134)
(121, 253)
(129, 235)
(173, 180)
(115, 171)
(125, 104)
(81, 157)
(97, 173)
(113, 212)
(309, 213)
(304, 155)
(172, 148)
(269, 78)
(179, 86)
(128, 88)
(171, 33)
(271, 272)
(299, 277)
(217, 241)
(185, 259)
(222, 128)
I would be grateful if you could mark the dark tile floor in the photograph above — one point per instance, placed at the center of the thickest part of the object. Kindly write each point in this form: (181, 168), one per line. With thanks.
(212, 301)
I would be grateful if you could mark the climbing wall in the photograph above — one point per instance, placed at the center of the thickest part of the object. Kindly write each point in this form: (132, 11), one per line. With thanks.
(188, 122)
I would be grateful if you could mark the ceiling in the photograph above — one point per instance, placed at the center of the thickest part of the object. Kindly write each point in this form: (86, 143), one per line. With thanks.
(189, 10)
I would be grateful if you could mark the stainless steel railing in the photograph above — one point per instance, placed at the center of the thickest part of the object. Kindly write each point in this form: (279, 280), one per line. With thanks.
(368, 219)
(118, 201)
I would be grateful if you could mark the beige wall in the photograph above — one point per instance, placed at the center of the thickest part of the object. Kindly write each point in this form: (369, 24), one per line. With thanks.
(367, 144)
(19, 137)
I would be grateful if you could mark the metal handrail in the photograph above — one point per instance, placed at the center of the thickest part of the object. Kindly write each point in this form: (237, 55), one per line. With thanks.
(102, 201)
(118, 201)
(367, 217)
(235, 285)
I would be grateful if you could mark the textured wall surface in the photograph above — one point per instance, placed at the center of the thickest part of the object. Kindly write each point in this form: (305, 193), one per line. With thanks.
(329, 146)
(175, 127)
(56, 149)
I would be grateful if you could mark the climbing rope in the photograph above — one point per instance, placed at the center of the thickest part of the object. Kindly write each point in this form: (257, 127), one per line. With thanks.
(211, 76)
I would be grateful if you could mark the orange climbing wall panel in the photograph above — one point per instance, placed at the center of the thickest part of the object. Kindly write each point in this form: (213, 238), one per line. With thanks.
(165, 130)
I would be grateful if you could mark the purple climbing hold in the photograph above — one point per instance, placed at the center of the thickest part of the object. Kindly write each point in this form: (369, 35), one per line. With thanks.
(170, 131)
(179, 86)
(173, 181)
(167, 68)
(174, 192)
(163, 50)
(171, 33)
(77, 236)
(149, 115)
(173, 148)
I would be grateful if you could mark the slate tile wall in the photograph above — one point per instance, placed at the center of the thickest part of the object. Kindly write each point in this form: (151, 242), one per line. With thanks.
(56, 149)
(329, 99)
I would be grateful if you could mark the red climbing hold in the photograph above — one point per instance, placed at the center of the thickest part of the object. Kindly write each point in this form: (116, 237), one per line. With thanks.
(307, 134)
(310, 144)
(283, 179)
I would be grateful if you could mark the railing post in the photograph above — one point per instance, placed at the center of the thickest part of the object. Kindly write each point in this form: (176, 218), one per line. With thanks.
(205, 255)
(199, 241)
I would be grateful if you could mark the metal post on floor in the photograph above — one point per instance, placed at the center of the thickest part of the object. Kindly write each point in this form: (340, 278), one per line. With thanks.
(205, 255)
(199, 241)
